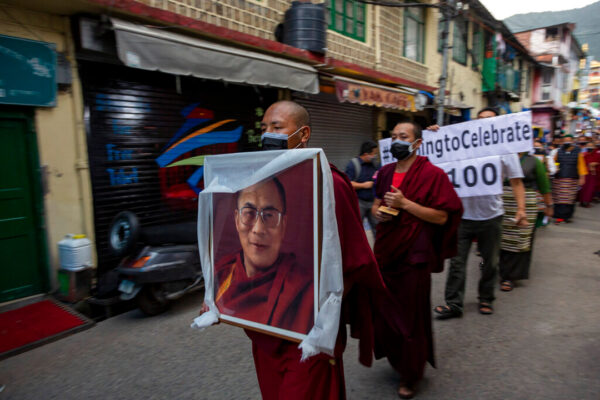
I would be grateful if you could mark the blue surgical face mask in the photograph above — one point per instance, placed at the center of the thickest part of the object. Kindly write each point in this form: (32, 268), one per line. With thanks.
(401, 150)
(277, 141)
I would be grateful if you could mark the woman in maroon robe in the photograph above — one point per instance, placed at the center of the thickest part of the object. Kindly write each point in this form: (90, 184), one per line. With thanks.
(408, 247)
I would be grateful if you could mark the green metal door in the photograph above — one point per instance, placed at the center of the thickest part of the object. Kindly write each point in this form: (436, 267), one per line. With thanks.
(23, 265)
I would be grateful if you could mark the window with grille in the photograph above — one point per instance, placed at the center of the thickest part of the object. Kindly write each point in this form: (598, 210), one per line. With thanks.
(414, 33)
(347, 17)
(440, 30)
(477, 50)
(459, 40)
(551, 34)
(546, 83)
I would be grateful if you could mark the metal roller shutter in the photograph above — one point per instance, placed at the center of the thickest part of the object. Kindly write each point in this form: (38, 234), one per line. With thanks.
(134, 118)
(338, 128)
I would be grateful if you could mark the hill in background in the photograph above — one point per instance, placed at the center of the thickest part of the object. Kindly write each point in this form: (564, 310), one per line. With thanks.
(587, 20)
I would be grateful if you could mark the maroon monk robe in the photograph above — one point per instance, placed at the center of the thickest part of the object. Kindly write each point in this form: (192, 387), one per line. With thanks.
(597, 152)
(281, 296)
(408, 249)
(587, 191)
(280, 373)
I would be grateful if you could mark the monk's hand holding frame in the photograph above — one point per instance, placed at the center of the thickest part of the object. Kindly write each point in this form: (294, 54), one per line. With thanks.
(388, 210)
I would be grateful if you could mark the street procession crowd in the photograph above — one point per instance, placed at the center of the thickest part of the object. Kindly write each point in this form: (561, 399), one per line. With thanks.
(419, 222)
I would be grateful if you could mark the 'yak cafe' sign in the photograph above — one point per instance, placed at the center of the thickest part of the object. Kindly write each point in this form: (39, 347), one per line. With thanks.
(374, 96)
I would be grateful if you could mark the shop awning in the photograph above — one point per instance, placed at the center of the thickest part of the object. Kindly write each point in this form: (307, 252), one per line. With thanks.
(156, 49)
(365, 93)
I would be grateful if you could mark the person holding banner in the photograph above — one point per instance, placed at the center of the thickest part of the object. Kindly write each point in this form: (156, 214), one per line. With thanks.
(419, 213)
(571, 174)
(482, 220)
(517, 242)
(280, 373)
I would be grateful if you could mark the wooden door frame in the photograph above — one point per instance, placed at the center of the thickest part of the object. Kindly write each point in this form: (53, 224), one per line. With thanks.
(27, 115)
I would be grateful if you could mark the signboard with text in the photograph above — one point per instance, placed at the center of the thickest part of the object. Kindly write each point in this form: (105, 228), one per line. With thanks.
(506, 134)
(374, 96)
(469, 152)
(476, 176)
(27, 72)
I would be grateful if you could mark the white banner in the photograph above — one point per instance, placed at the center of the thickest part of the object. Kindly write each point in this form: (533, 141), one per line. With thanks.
(506, 134)
(475, 177)
(469, 151)
(384, 151)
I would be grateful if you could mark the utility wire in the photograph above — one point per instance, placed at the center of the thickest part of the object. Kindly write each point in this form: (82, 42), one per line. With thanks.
(393, 4)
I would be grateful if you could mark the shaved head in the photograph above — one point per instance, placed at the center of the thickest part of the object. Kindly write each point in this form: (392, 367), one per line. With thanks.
(295, 111)
(289, 118)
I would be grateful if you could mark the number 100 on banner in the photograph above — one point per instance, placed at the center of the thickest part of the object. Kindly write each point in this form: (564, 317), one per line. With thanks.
(475, 177)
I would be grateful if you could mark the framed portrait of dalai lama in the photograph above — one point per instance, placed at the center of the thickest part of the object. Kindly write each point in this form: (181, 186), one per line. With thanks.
(265, 241)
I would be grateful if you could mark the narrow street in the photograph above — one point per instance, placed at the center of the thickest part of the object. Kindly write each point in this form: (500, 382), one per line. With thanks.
(543, 342)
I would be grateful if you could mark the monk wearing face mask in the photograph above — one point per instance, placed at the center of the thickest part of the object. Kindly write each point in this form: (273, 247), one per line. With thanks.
(280, 373)
(417, 230)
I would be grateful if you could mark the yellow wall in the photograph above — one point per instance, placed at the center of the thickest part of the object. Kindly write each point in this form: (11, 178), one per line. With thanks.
(461, 78)
(60, 133)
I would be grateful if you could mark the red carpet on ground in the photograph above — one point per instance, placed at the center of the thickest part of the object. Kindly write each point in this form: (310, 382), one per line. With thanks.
(32, 323)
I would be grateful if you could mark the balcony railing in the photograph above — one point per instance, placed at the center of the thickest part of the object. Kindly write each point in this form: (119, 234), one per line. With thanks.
(509, 79)
(502, 76)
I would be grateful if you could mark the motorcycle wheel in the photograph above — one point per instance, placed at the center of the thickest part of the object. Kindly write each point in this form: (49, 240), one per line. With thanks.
(150, 303)
(123, 233)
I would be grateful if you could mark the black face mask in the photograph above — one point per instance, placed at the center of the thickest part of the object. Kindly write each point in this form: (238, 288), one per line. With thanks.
(277, 141)
(539, 151)
(565, 146)
(269, 143)
(401, 150)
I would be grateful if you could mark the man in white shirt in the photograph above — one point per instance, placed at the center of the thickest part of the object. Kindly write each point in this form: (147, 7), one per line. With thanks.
(482, 220)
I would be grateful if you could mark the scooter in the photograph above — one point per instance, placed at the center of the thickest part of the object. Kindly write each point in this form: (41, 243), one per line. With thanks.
(160, 263)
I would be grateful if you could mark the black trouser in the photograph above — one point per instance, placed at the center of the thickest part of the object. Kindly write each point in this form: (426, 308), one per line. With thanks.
(488, 234)
(564, 211)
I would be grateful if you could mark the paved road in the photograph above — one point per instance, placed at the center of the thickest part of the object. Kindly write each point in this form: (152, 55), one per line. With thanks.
(542, 343)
